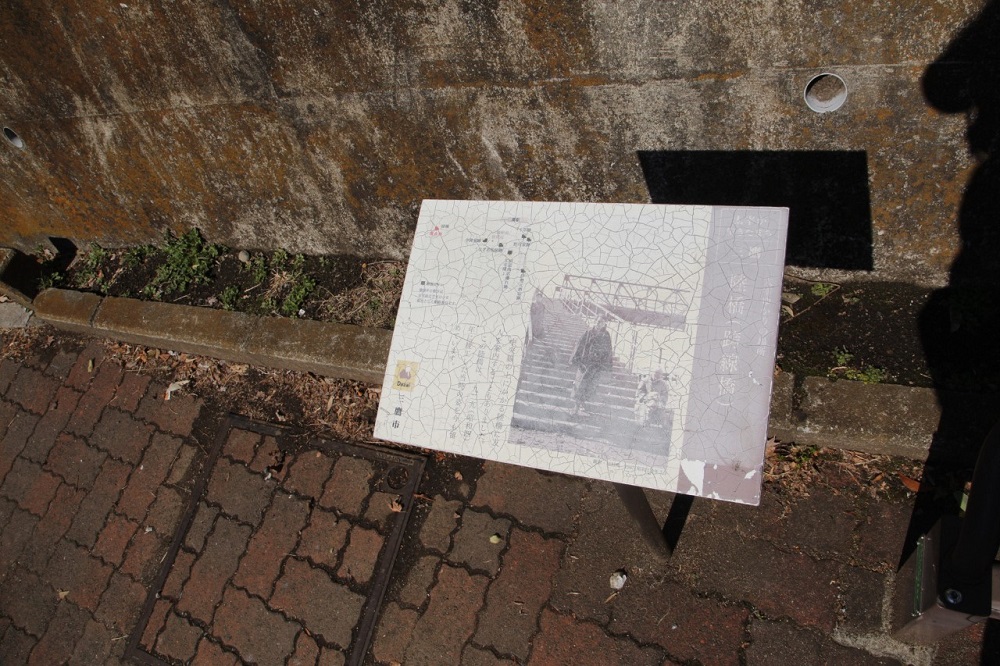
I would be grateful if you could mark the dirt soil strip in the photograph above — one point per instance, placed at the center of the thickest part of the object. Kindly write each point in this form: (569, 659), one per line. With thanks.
(294, 536)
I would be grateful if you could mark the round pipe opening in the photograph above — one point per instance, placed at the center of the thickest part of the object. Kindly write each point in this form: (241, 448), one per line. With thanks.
(825, 92)
(12, 138)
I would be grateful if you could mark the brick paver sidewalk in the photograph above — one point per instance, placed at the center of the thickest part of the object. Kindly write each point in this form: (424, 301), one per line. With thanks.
(500, 564)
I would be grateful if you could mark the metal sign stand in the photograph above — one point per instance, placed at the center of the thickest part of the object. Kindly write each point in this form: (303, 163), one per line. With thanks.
(661, 540)
(956, 580)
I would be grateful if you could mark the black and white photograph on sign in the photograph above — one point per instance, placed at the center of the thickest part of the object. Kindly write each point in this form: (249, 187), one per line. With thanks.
(592, 371)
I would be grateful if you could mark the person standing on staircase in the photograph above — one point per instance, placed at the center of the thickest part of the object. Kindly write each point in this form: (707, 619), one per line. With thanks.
(591, 357)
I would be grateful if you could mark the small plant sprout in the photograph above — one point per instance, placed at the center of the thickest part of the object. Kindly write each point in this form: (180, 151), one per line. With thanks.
(866, 373)
(842, 357)
(823, 289)
(90, 274)
(229, 297)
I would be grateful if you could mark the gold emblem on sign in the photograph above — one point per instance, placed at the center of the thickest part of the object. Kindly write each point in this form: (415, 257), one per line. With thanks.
(406, 375)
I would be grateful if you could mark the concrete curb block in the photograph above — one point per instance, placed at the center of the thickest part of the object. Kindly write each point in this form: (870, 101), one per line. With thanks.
(327, 349)
(877, 418)
(874, 418)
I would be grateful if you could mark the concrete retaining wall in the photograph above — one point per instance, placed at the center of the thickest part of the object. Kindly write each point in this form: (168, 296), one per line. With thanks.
(319, 128)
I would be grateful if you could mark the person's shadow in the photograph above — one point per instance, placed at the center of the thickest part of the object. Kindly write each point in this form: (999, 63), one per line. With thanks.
(960, 325)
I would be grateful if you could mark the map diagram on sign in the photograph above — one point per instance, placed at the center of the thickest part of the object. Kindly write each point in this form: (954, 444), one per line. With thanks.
(631, 343)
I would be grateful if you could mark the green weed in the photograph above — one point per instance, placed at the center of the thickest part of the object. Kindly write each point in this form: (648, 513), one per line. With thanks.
(866, 373)
(823, 289)
(268, 305)
(90, 273)
(134, 256)
(49, 280)
(803, 454)
(257, 267)
(842, 357)
(229, 296)
(302, 286)
(189, 260)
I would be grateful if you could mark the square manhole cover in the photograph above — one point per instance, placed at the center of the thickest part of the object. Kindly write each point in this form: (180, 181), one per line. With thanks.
(285, 550)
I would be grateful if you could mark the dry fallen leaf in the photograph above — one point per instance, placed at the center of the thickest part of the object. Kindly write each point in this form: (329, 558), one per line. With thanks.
(395, 505)
(62, 594)
(911, 484)
(175, 386)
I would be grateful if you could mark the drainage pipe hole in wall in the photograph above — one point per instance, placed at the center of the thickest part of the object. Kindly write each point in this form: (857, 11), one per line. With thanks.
(825, 92)
(12, 138)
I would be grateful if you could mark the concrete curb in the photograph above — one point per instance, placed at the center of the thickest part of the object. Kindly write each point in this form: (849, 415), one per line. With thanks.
(874, 418)
(332, 350)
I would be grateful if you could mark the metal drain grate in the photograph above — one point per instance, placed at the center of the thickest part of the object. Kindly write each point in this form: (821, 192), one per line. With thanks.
(285, 548)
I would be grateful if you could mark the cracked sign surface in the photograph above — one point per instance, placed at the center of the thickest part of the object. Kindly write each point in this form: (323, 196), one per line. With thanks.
(626, 342)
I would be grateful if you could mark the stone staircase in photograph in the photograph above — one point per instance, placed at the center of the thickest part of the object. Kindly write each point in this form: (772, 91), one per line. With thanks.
(544, 393)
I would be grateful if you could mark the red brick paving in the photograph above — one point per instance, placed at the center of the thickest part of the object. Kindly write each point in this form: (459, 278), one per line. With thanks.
(518, 594)
(213, 567)
(130, 392)
(14, 537)
(74, 570)
(120, 603)
(30, 486)
(154, 625)
(210, 654)
(565, 640)
(28, 600)
(361, 554)
(178, 639)
(267, 455)
(59, 641)
(52, 423)
(394, 633)
(323, 540)
(114, 538)
(239, 492)
(306, 651)
(688, 627)
(349, 486)
(121, 435)
(95, 507)
(449, 621)
(145, 480)
(276, 538)
(241, 445)
(166, 510)
(256, 632)
(94, 645)
(144, 554)
(326, 608)
(175, 416)
(51, 528)
(179, 573)
(8, 369)
(32, 390)
(95, 471)
(74, 461)
(308, 473)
